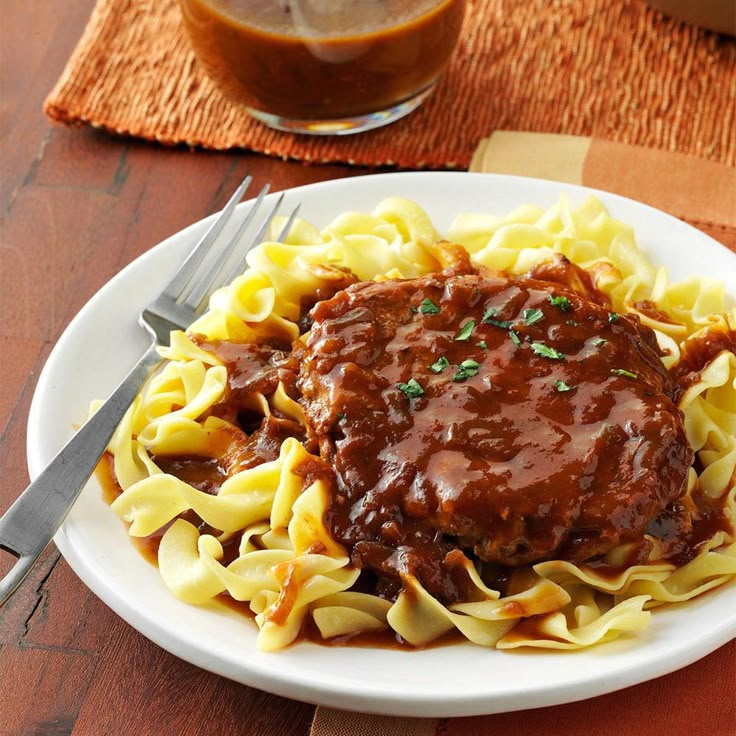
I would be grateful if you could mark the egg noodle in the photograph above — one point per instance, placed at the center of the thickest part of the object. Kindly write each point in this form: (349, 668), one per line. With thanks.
(288, 566)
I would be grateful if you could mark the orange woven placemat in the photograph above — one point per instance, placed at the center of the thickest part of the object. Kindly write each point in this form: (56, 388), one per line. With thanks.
(613, 69)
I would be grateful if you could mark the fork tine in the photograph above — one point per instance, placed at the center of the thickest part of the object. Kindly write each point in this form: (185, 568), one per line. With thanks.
(258, 237)
(178, 286)
(286, 229)
(238, 266)
(207, 283)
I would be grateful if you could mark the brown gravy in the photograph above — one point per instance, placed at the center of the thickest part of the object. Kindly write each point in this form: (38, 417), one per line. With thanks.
(682, 526)
(697, 353)
(560, 440)
(371, 55)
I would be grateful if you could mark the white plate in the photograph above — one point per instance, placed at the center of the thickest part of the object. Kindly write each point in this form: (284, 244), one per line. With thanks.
(104, 340)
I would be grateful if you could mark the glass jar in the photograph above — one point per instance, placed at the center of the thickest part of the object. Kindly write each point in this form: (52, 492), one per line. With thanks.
(324, 66)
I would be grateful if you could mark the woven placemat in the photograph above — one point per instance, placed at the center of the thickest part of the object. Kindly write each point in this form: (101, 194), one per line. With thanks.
(613, 69)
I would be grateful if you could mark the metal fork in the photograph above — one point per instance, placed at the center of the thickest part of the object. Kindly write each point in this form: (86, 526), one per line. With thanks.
(31, 522)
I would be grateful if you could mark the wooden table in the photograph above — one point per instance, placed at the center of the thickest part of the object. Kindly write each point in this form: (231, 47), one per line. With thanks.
(77, 206)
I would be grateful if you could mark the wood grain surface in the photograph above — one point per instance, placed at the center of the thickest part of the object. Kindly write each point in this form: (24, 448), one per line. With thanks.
(77, 206)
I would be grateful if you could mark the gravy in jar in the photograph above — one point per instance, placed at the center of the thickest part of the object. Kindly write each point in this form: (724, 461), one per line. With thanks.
(323, 59)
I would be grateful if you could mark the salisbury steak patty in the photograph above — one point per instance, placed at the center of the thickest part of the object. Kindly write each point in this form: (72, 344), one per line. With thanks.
(513, 418)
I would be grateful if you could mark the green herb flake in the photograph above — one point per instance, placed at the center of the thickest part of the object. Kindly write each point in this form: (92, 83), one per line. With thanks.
(561, 387)
(539, 348)
(340, 416)
(439, 365)
(622, 372)
(514, 338)
(465, 370)
(412, 389)
(599, 341)
(613, 317)
(429, 307)
(487, 319)
(532, 316)
(561, 302)
(482, 345)
(414, 309)
(465, 331)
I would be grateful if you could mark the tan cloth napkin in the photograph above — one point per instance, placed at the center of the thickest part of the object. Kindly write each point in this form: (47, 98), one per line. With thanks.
(698, 699)
(614, 69)
(701, 192)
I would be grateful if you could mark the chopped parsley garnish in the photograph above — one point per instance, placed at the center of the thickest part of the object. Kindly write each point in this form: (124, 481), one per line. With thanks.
(532, 316)
(622, 372)
(504, 324)
(411, 389)
(599, 341)
(439, 365)
(340, 416)
(466, 369)
(561, 386)
(482, 344)
(488, 316)
(539, 348)
(561, 302)
(414, 309)
(465, 331)
(514, 338)
(613, 317)
(429, 307)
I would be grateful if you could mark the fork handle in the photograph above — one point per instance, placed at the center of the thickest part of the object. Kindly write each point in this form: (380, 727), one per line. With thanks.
(30, 523)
